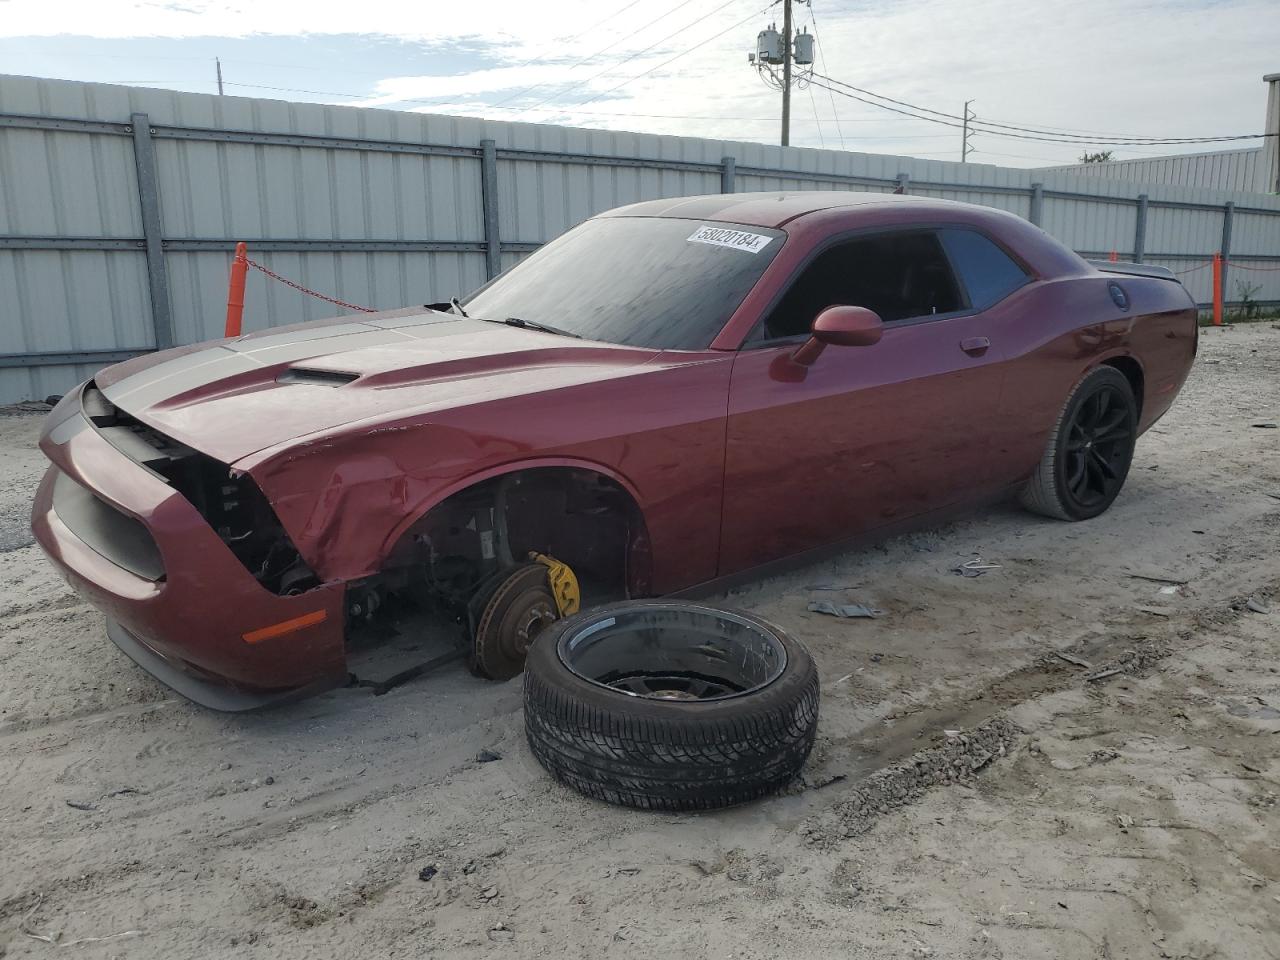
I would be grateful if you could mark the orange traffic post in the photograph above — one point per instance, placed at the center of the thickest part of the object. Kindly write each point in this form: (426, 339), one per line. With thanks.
(1217, 289)
(235, 292)
(1115, 257)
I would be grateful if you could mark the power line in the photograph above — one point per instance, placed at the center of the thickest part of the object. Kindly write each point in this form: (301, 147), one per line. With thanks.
(600, 23)
(1028, 133)
(577, 36)
(589, 57)
(684, 53)
(822, 57)
(1006, 129)
(565, 86)
(610, 69)
(822, 141)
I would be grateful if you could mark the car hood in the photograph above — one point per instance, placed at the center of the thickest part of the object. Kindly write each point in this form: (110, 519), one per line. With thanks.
(232, 398)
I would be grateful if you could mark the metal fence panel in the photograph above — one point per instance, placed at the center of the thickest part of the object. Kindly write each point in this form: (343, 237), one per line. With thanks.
(1233, 169)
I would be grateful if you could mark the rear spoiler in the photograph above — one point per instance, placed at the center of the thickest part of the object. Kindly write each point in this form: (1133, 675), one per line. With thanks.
(1133, 269)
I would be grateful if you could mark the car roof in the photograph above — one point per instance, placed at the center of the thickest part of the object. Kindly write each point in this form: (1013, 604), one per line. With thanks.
(773, 209)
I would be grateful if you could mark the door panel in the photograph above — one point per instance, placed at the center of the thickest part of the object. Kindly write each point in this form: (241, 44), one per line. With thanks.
(868, 436)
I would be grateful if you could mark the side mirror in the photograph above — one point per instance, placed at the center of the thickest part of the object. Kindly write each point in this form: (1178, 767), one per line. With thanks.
(840, 327)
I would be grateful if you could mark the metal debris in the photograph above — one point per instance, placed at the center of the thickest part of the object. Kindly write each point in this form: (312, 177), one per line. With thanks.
(975, 567)
(1257, 606)
(1071, 658)
(1265, 426)
(1103, 674)
(1175, 581)
(844, 610)
(426, 873)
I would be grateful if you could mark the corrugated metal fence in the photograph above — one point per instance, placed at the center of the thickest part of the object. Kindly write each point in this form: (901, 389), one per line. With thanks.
(1225, 169)
(120, 208)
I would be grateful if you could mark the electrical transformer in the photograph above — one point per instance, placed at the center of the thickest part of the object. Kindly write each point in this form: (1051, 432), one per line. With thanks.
(769, 46)
(803, 48)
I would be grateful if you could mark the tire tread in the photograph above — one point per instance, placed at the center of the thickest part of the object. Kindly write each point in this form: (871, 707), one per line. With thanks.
(611, 747)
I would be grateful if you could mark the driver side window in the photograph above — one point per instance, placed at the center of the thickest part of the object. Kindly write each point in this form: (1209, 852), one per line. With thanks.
(900, 276)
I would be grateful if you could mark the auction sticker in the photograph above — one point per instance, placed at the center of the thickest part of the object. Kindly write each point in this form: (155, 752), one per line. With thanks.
(736, 239)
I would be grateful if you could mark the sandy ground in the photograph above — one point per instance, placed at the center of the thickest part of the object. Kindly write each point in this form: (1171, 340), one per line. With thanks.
(1129, 816)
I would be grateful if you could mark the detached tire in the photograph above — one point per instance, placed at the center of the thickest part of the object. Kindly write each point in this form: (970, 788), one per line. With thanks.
(670, 706)
(1087, 458)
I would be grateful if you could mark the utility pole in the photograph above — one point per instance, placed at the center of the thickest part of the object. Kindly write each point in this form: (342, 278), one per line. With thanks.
(791, 51)
(964, 143)
(786, 72)
(218, 64)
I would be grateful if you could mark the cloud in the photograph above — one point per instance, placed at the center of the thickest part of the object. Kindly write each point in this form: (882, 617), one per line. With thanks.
(508, 22)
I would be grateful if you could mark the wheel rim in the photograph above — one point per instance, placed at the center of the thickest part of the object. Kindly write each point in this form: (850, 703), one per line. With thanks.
(678, 652)
(1097, 448)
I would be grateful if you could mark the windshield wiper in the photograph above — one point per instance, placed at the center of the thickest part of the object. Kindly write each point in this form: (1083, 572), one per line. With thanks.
(535, 325)
(456, 305)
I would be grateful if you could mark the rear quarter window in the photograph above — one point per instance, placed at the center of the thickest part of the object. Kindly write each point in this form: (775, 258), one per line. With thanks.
(987, 272)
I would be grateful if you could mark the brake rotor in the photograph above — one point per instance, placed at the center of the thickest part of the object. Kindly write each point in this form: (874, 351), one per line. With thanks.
(520, 607)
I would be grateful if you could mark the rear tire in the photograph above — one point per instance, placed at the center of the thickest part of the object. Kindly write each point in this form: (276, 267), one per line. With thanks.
(1090, 448)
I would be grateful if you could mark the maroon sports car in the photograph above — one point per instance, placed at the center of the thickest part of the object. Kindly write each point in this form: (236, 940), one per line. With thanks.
(670, 394)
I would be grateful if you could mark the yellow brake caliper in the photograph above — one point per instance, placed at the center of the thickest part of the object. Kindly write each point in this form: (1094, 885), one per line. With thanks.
(564, 585)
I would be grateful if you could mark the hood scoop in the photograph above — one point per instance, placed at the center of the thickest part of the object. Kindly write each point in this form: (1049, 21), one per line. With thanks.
(319, 378)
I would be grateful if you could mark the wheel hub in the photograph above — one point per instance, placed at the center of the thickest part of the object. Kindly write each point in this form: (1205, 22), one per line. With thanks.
(520, 608)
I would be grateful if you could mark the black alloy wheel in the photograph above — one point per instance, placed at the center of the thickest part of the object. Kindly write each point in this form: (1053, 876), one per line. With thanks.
(1099, 445)
(1090, 448)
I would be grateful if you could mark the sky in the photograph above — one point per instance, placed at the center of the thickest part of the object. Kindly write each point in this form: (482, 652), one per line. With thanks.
(1130, 68)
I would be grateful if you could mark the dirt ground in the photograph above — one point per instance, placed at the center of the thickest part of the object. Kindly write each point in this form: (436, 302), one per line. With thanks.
(972, 794)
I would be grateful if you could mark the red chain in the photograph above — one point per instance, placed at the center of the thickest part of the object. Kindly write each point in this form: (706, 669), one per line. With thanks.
(297, 286)
(1241, 266)
(351, 306)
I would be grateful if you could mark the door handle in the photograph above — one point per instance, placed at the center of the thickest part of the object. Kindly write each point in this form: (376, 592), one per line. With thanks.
(975, 346)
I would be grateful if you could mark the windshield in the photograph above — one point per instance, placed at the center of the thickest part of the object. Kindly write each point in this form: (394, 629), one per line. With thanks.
(641, 281)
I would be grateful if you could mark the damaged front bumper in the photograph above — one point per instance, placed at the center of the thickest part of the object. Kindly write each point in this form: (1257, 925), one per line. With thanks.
(177, 600)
